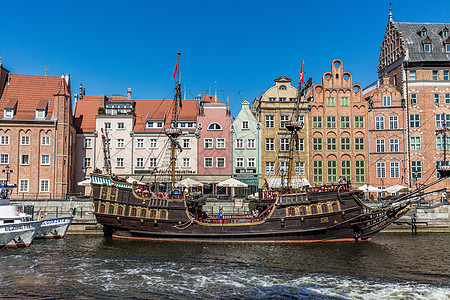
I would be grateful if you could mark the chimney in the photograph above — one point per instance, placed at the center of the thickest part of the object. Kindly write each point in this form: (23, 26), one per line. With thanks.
(102, 100)
(129, 93)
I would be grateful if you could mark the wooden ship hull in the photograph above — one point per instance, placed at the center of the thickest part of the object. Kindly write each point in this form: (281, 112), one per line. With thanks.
(330, 213)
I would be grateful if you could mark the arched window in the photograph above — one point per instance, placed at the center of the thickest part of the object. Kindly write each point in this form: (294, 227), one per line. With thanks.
(163, 214)
(133, 212)
(214, 126)
(291, 211)
(302, 210)
(111, 209)
(314, 210)
(102, 208)
(120, 210)
(143, 213)
(324, 208)
(153, 214)
(282, 87)
(334, 206)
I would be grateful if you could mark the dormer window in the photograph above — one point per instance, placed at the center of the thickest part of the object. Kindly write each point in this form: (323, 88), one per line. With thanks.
(447, 48)
(8, 113)
(423, 32)
(444, 32)
(282, 87)
(40, 113)
(152, 125)
(427, 47)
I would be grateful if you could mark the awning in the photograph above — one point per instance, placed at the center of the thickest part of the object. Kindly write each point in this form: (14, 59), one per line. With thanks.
(370, 189)
(296, 182)
(231, 182)
(189, 182)
(85, 182)
(397, 188)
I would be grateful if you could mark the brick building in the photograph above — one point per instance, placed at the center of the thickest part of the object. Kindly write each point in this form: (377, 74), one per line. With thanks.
(37, 137)
(416, 57)
(338, 129)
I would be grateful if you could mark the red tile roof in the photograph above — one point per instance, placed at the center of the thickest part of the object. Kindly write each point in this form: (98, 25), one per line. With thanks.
(29, 90)
(156, 109)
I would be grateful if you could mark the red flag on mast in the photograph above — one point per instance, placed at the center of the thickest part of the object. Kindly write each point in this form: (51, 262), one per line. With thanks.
(302, 78)
(175, 72)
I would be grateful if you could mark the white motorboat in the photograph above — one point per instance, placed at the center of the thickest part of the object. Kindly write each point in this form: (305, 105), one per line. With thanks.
(54, 228)
(17, 229)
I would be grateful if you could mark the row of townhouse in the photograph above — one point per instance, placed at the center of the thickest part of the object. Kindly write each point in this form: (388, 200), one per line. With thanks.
(390, 133)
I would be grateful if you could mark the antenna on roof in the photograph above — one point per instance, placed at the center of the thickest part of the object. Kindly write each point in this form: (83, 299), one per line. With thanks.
(0, 61)
(45, 70)
(390, 12)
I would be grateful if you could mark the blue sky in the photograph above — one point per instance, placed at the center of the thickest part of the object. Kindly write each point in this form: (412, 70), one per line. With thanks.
(242, 45)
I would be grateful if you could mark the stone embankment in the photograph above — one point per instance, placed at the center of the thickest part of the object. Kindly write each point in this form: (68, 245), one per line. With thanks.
(432, 218)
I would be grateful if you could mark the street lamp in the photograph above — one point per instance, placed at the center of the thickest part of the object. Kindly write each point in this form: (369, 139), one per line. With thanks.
(7, 170)
(83, 169)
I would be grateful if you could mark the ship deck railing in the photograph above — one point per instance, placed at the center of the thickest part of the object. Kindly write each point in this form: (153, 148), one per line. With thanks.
(240, 219)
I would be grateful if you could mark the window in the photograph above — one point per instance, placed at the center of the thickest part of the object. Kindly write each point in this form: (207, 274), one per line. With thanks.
(415, 143)
(272, 99)
(412, 75)
(214, 126)
(386, 100)
(317, 171)
(283, 99)
(220, 143)
(8, 113)
(440, 120)
(395, 169)
(379, 123)
(359, 121)
(45, 140)
(270, 168)
(447, 98)
(380, 146)
(107, 125)
(299, 168)
(331, 144)
(87, 162)
(245, 125)
(346, 169)
(139, 162)
(282, 87)
(208, 162)
(393, 145)
(435, 75)
(447, 48)
(154, 125)
(140, 143)
(120, 125)
(344, 101)
(331, 122)
(300, 145)
(40, 113)
(436, 98)
(284, 167)
(283, 119)
(23, 185)
(393, 122)
(345, 122)
(186, 143)
(414, 121)
(324, 208)
(427, 47)
(360, 171)
(186, 162)
(332, 171)
(87, 143)
(292, 99)
(239, 143)
(317, 144)
(120, 143)
(25, 159)
(413, 99)
(345, 144)
(45, 159)
(251, 144)
(239, 162)
(251, 162)
(381, 170)
(440, 143)
(330, 101)
(313, 209)
(359, 144)
(317, 122)
(44, 186)
(208, 143)
(4, 159)
(416, 168)
(284, 144)
(4, 140)
(270, 122)
(24, 140)
(152, 163)
(153, 143)
(119, 162)
(220, 162)
(270, 144)
(446, 77)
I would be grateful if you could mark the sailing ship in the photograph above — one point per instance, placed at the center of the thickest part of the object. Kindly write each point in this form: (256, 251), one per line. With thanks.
(314, 214)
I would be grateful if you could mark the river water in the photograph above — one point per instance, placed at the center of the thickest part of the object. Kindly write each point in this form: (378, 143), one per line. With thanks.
(391, 266)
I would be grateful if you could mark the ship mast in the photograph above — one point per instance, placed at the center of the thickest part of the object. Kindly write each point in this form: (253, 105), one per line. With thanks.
(106, 153)
(173, 132)
(296, 125)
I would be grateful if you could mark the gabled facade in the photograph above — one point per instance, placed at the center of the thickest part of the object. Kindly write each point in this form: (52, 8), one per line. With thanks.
(273, 109)
(387, 141)
(246, 146)
(416, 57)
(37, 137)
(215, 142)
(338, 129)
